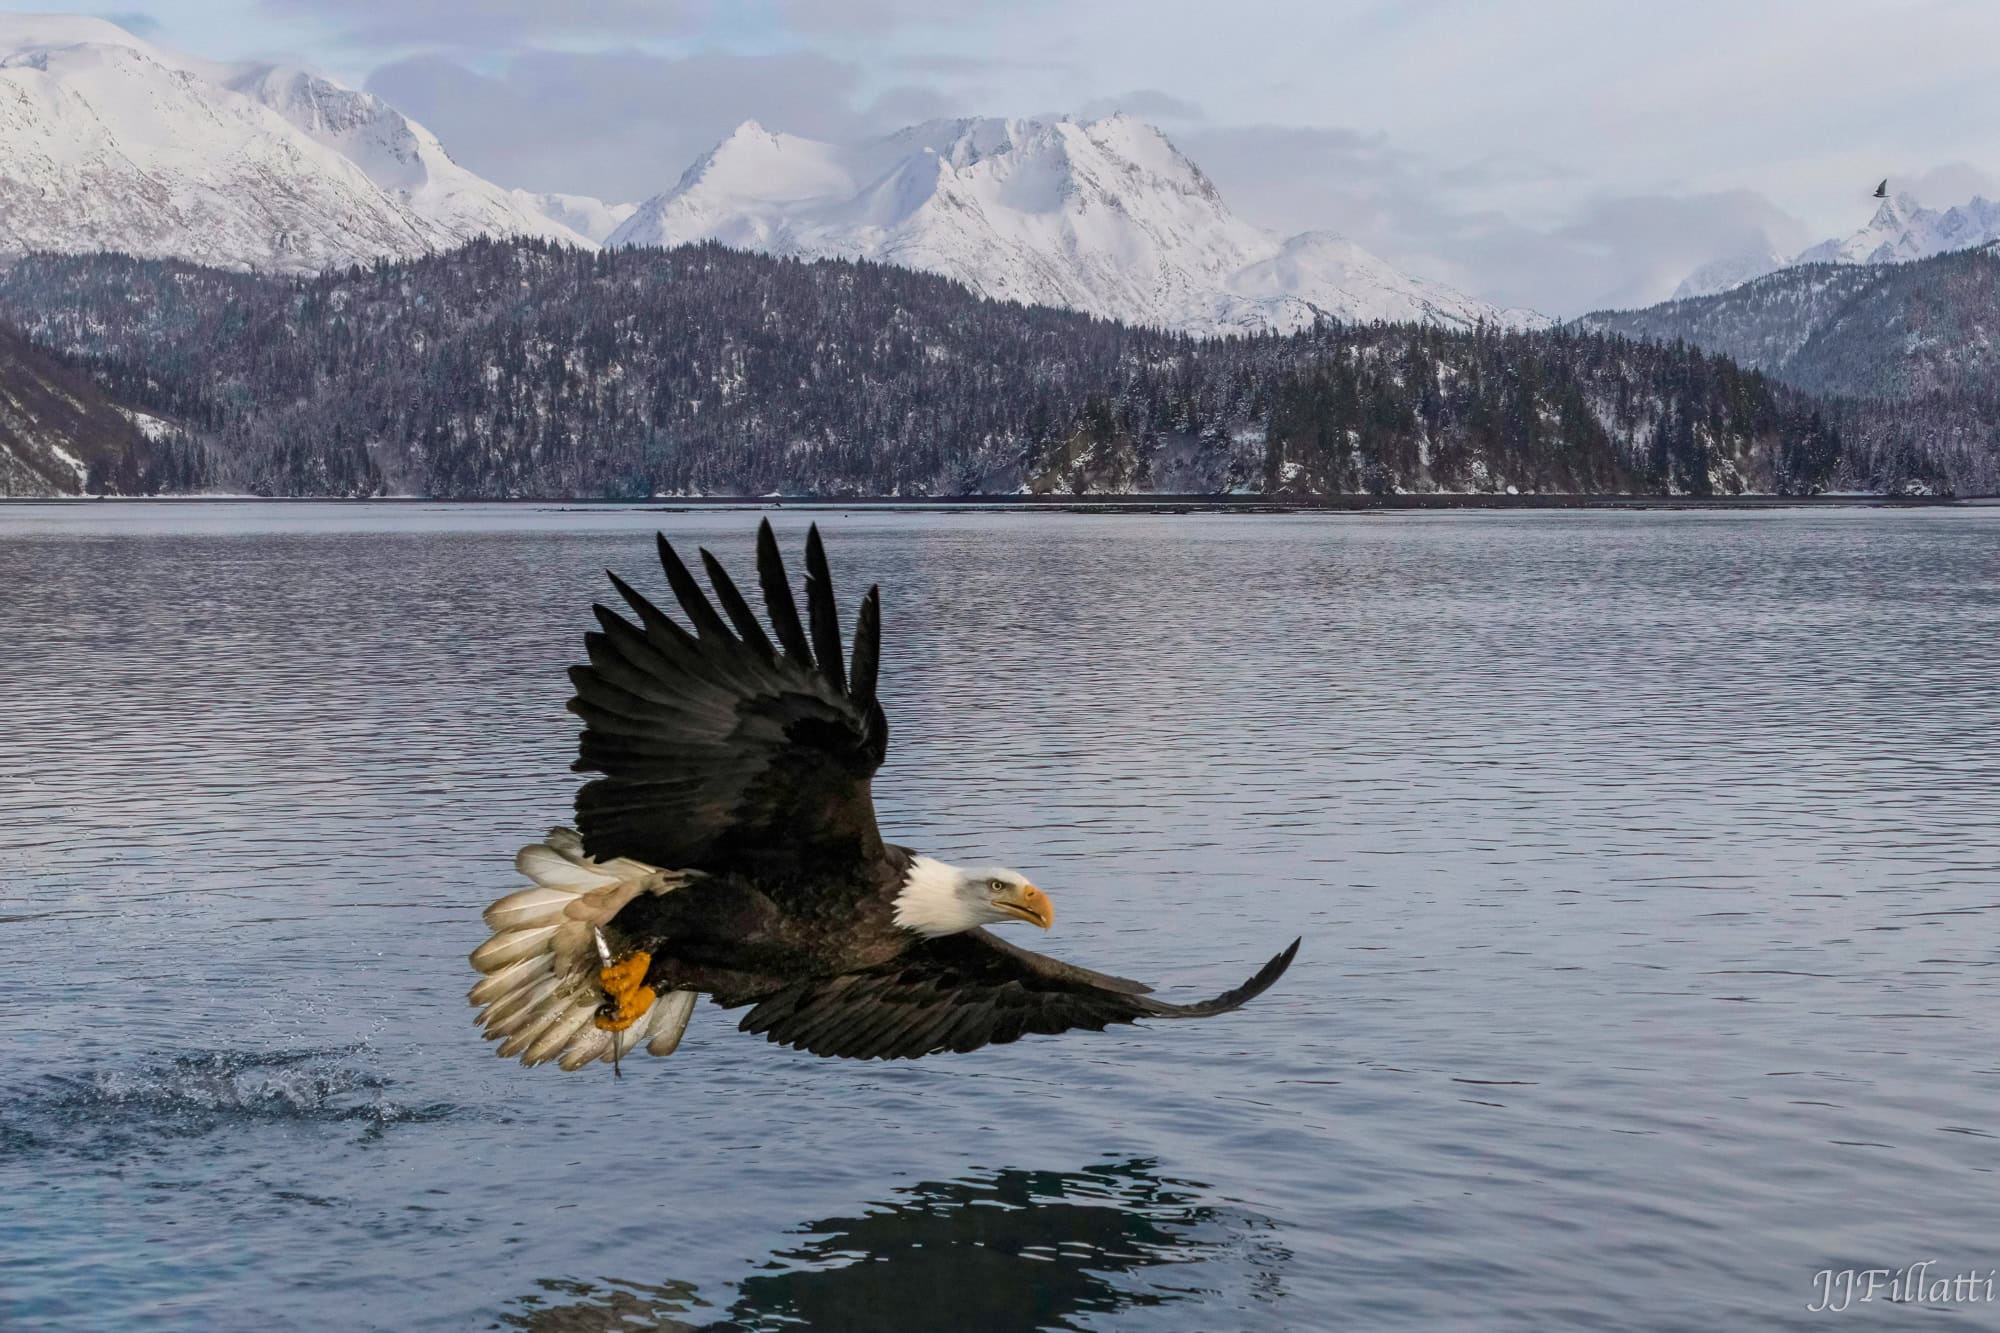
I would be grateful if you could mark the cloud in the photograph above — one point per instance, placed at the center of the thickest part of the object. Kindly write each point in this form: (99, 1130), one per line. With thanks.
(133, 21)
(875, 17)
(1147, 104)
(1293, 178)
(908, 104)
(1942, 186)
(1483, 225)
(624, 126)
(1633, 250)
(493, 24)
(508, 25)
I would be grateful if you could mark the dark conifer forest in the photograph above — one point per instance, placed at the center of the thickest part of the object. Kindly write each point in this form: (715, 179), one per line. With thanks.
(517, 368)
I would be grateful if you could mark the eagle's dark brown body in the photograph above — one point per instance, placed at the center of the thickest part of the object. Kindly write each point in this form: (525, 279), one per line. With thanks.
(726, 936)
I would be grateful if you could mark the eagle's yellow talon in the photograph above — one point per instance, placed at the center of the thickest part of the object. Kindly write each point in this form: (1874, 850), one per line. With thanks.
(628, 995)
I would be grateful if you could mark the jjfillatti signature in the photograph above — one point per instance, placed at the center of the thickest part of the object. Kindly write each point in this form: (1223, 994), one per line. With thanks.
(1840, 1288)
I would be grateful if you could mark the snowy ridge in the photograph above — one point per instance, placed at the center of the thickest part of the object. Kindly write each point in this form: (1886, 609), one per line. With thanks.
(110, 143)
(1102, 216)
(401, 157)
(1900, 230)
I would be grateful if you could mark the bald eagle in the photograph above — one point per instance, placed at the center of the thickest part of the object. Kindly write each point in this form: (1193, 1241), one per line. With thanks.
(729, 848)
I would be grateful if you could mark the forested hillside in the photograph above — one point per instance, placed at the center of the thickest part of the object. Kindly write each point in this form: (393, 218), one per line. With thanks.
(61, 435)
(524, 369)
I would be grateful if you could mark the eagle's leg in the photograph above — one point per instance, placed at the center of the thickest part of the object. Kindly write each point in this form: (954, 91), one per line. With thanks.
(627, 996)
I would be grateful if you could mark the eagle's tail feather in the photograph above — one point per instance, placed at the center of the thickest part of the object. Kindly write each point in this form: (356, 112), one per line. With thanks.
(541, 987)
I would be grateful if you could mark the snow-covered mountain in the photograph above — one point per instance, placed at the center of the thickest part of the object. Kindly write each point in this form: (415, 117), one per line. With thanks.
(1900, 230)
(590, 218)
(108, 142)
(1103, 216)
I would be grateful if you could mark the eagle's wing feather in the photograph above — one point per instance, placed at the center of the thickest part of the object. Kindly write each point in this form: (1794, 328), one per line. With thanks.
(960, 992)
(717, 750)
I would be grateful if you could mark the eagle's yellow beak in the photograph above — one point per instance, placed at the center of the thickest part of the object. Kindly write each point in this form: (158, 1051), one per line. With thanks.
(1029, 903)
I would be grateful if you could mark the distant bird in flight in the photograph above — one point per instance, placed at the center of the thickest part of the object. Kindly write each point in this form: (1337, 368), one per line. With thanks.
(730, 849)
(1882, 190)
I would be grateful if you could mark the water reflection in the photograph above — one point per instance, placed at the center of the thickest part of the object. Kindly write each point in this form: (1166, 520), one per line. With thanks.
(1012, 1249)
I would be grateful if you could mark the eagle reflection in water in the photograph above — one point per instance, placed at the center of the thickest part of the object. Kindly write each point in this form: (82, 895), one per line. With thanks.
(1012, 1249)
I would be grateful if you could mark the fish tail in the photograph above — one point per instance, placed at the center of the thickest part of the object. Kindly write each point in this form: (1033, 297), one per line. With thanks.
(541, 990)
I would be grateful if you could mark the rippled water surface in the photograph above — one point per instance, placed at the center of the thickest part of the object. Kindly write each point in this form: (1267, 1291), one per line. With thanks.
(1646, 866)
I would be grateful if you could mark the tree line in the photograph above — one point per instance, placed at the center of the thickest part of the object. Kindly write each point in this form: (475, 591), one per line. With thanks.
(523, 368)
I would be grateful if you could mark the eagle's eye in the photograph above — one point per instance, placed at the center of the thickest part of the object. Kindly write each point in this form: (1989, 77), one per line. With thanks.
(997, 885)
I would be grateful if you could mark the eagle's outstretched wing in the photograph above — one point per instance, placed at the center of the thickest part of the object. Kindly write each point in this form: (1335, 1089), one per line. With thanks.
(961, 992)
(720, 750)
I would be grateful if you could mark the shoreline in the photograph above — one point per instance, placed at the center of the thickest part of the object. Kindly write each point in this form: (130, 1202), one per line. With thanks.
(1097, 504)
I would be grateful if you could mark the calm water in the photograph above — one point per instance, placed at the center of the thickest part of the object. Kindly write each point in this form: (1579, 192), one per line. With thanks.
(1646, 865)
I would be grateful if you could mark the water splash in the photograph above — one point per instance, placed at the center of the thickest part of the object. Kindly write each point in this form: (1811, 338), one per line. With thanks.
(199, 1093)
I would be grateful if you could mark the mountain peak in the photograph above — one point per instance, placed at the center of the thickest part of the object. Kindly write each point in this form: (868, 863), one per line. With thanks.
(1894, 213)
(750, 165)
(1103, 215)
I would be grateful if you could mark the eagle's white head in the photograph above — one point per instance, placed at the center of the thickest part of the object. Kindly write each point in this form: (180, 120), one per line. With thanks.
(939, 899)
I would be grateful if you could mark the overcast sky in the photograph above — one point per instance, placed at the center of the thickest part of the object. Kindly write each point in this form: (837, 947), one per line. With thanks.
(1561, 154)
